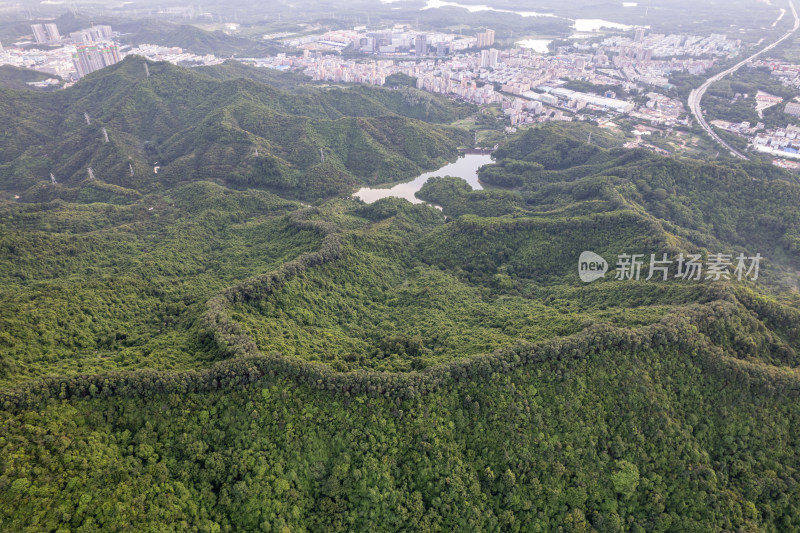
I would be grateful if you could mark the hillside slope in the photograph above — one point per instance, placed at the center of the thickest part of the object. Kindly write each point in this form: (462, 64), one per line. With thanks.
(235, 361)
(192, 39)
(237, 131)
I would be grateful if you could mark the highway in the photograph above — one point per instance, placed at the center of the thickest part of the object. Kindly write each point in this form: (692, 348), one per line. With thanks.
(696, 95)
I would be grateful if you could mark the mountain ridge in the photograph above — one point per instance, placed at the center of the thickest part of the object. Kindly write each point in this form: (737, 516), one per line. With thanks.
(185, 122)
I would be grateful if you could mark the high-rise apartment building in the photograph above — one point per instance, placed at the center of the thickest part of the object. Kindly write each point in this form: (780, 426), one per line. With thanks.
(109, 54)
(91, 57)
(52, 32)
(486, 38)
(102, 31)
(80, 37)
(489, 58)
(45, 33)
(39, 33)
(421, 45)
(93, 34)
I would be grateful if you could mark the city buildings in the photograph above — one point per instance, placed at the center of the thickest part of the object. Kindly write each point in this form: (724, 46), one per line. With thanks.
(485, 39)
(575, 100)
(792, 108)
(91, 57)
(489, 58)
(528, 87)
(39, 33)
(784, 142)
(421, 45)
(673, 45)
(178, 56)
(91, 35)
(45, 33)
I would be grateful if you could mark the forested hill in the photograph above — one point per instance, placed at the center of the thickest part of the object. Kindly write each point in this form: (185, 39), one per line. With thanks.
(193, 39)
(237, 131)
(234, 361)
(232, 69)
(711, 205)
(12, 77)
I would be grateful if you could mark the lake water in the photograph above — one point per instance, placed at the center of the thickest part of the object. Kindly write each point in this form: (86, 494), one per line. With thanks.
(592, 25)
(579, 25)
(537, 45)
(433, 4)
(465, 167)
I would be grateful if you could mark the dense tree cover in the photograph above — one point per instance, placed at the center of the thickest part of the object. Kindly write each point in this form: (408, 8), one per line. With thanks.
(683, 83)
(558, 146)
(406, 296)
(234, 69)
(102, 286)
(604, 437)
(457, 198)
(238, 131)
(188, 356)
(400, 80)
(400, 95)
(712, 205)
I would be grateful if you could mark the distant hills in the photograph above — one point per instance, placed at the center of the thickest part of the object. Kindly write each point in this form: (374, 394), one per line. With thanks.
(192, 39)
(291, 81)
(711, 204)
(12, 77)
(152, 31)
(234, 130)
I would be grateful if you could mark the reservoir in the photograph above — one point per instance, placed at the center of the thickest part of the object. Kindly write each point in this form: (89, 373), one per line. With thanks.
(593, 25)
(540, 46)
(465, 167)
(579, 25)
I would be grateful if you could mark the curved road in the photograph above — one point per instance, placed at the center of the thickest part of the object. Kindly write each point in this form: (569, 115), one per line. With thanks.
(696, 95)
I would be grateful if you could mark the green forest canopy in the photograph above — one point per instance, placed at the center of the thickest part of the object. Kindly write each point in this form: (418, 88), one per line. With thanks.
(228, 128)
(236, 361)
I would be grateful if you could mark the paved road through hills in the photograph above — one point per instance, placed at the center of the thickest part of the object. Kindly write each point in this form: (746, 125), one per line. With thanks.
(696, 95)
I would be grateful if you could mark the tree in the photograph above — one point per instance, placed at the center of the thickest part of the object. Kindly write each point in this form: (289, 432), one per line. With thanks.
(626, 478)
